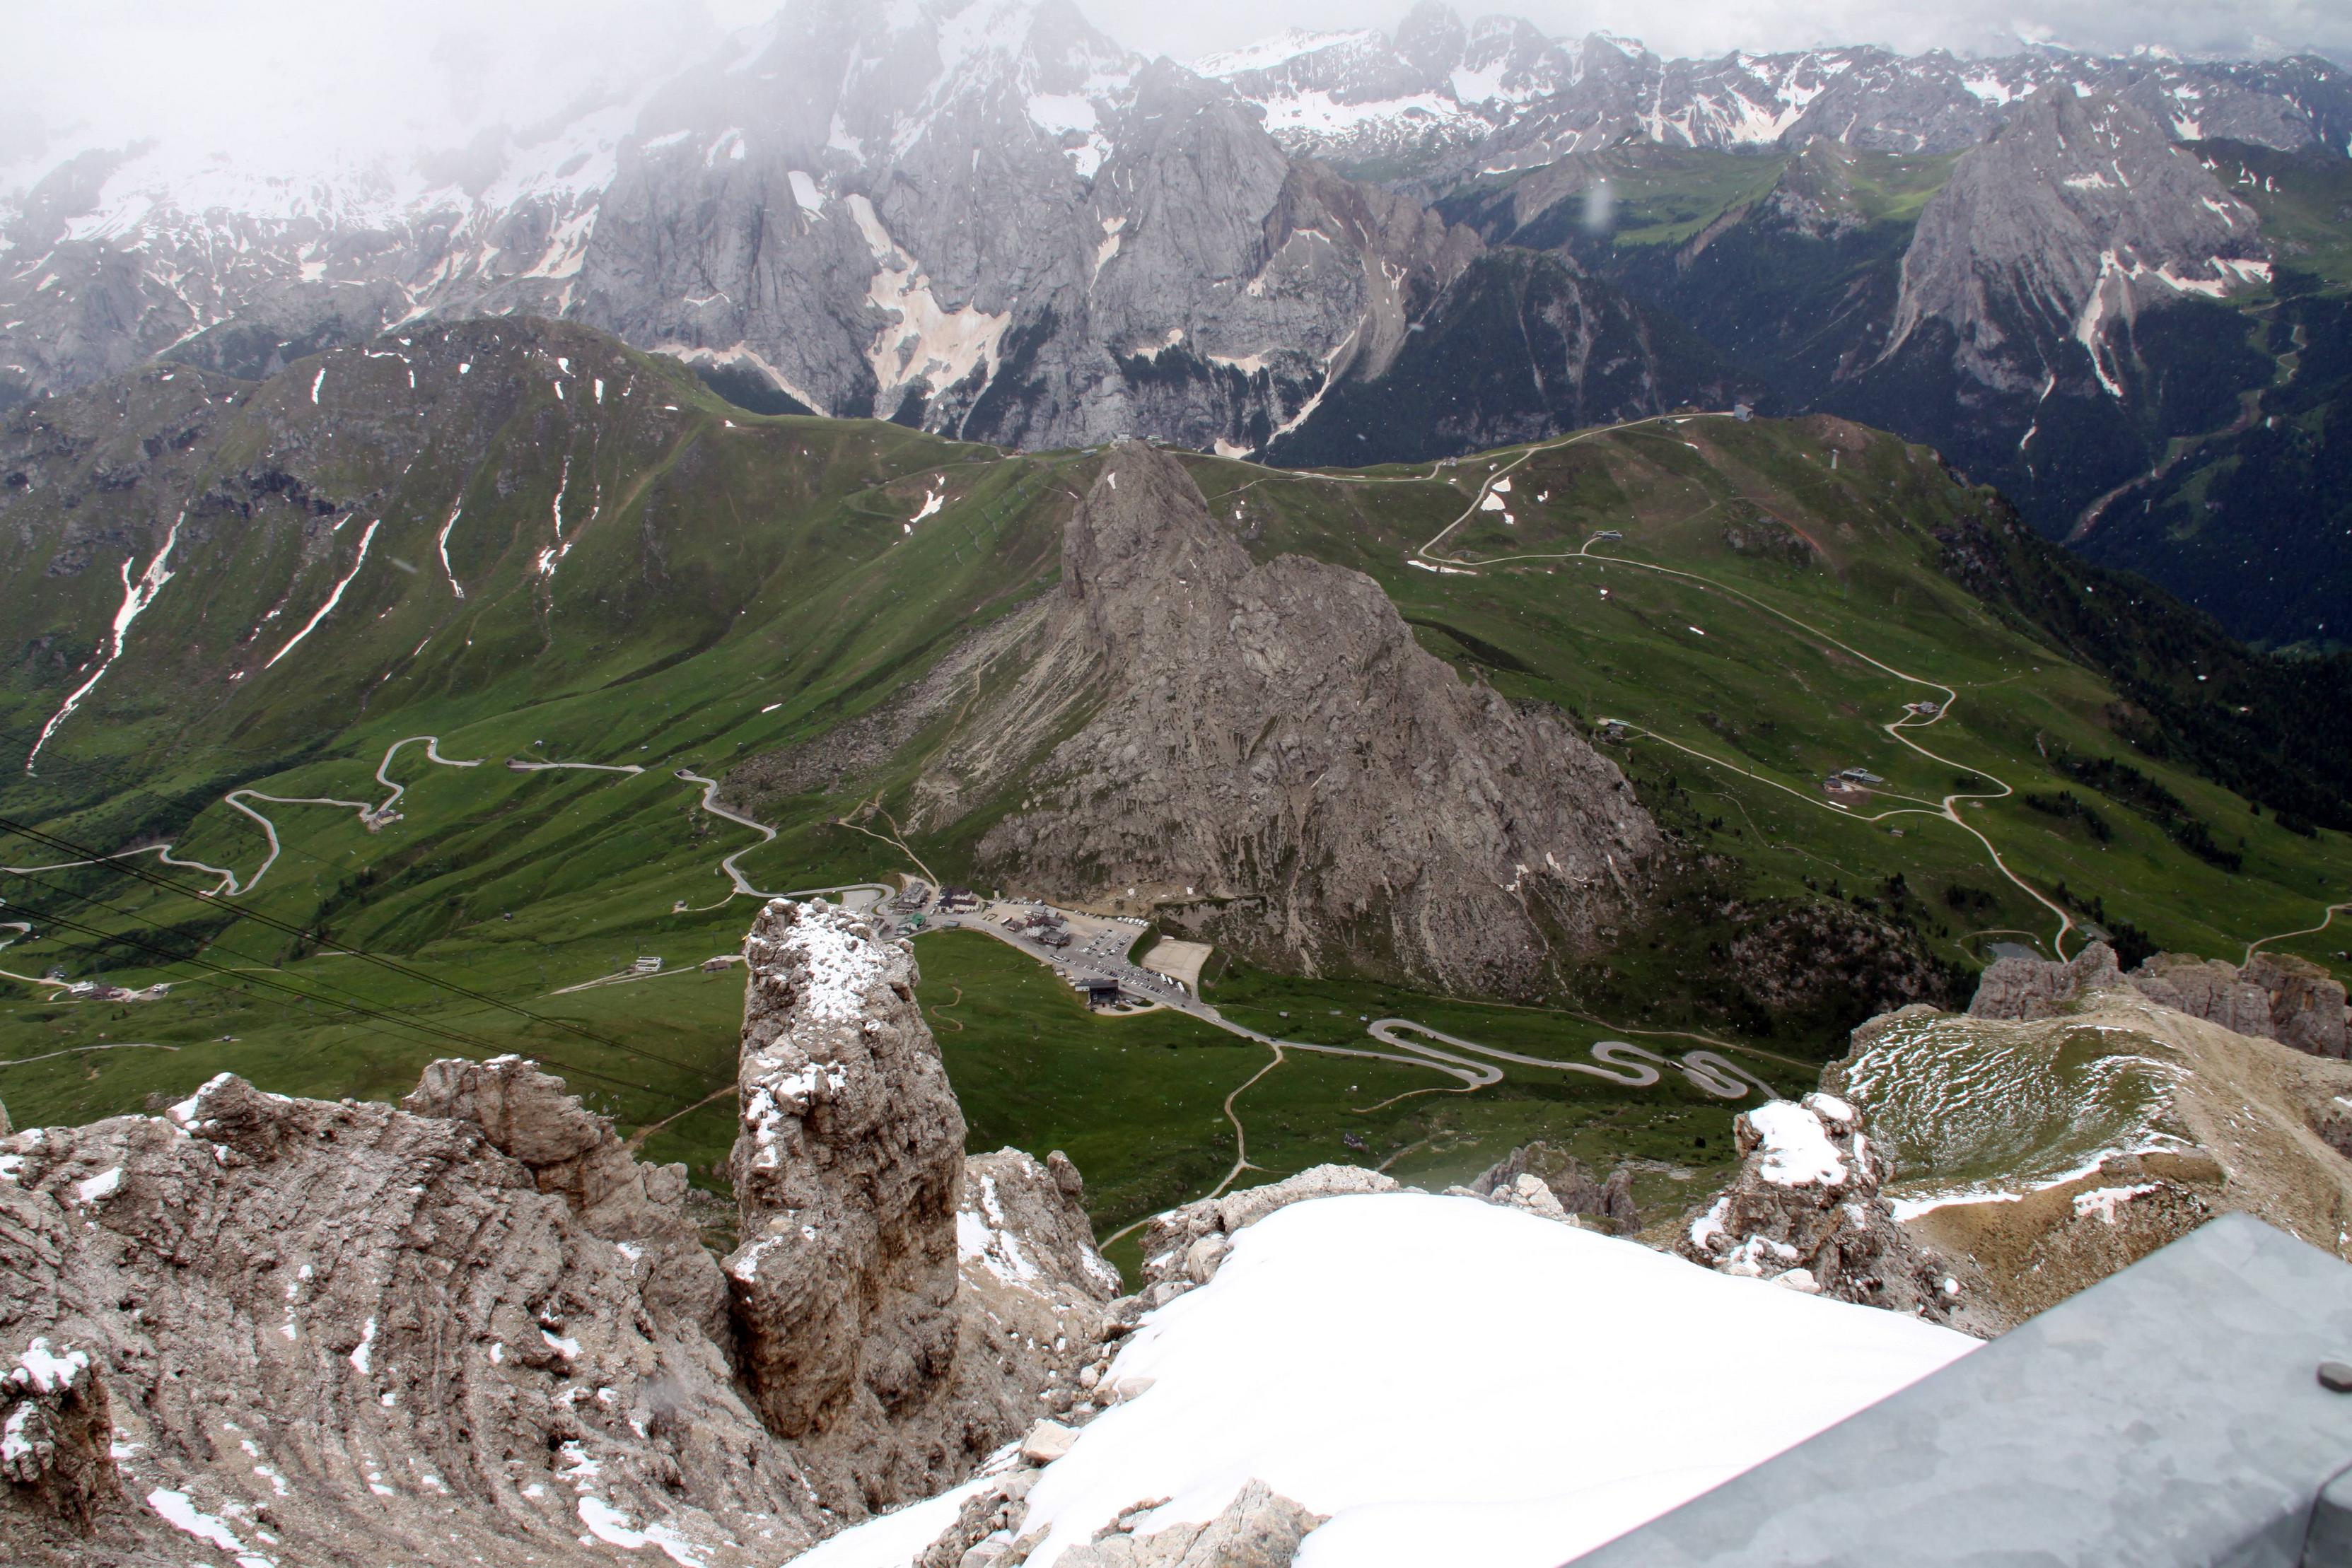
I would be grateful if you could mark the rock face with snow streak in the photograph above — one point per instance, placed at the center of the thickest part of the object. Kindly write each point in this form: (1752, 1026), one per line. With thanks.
(2051, 239)
(57, 1436)
(979, 215)
(1026, 1223)
(348, 1333)
(1265, 754)
(1804, 1211)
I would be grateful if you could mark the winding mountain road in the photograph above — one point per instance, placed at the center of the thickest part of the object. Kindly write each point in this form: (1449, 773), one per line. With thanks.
(2326, 919)
(1633, 1066)
(1946, 809)
(378, 813)
(1619, 1062)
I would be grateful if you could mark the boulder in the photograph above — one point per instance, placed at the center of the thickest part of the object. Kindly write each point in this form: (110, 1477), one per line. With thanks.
(2306, 1003)
(1258, 1529)
(1047, 1441)
(1804, 1209)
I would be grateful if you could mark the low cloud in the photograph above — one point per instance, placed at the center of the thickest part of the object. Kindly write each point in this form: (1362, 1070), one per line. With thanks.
(396, 77)
(1717, 26)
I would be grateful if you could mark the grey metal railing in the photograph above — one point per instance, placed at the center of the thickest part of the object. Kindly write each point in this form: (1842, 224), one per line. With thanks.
(2173, 1416)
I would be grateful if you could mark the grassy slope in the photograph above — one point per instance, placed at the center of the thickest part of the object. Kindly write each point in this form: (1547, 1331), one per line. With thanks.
(1784, 703)
(810, 598)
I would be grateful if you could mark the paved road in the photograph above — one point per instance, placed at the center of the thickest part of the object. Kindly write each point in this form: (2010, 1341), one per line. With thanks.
(1636, 1067)
(1621, 1062)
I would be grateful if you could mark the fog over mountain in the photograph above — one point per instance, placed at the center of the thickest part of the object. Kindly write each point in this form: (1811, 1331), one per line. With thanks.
(2051, 249)
(374, 75)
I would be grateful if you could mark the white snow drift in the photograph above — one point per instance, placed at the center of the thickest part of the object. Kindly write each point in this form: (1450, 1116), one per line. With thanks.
(1455, 1382)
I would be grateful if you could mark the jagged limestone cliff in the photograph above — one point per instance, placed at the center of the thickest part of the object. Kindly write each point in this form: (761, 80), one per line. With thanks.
(472, 1329)
(1263, 751)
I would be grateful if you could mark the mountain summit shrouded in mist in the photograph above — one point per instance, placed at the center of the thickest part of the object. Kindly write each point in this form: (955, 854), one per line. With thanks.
(996, 219)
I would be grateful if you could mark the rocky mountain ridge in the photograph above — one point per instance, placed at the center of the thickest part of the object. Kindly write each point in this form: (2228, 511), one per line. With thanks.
(987, 217)
(1263, 754)
(978, 216)
(1443, 99)
(2271, 997)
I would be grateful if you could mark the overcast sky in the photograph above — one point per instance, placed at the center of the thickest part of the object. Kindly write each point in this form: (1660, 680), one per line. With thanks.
(407, 73)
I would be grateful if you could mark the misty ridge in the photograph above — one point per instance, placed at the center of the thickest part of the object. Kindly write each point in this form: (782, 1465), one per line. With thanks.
(996, 220)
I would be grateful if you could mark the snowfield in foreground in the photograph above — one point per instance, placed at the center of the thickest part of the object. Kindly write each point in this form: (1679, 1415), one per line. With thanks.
(1454, 1382)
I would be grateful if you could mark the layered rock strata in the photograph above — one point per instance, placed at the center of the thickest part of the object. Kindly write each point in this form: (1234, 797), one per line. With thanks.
(472, 1329)
(1264, 754)
(349, 1333)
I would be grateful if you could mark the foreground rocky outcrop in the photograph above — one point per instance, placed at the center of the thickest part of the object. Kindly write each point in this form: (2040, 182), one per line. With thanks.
(898, 1315)
(2096, 1122)
(847, 1169)
(1541, 1176)
(470, 1328)
(1264, 755)
(1805, 1211)
(339, 1334)
(2274, 996)
(1183, 1246)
